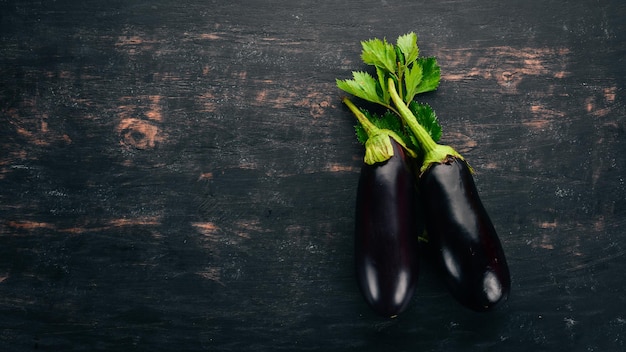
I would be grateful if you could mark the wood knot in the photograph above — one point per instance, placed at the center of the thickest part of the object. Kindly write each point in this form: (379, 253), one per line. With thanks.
(140, 134)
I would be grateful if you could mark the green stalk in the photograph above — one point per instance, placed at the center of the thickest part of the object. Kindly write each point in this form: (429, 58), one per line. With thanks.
(399, 76)
(378, 147)
(368, 126)
(433, 153)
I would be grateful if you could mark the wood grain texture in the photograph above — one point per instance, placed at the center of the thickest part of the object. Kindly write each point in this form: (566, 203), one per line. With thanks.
(182, 175)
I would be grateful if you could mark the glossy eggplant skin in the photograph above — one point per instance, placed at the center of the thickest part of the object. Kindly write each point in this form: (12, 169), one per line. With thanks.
(386, 234)
(462, 236)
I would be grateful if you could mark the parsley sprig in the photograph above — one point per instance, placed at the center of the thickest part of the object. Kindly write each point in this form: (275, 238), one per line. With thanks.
(410, 73)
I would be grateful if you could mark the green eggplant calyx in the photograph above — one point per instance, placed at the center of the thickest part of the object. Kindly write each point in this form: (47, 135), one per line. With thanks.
(378, 148)
(439, 155)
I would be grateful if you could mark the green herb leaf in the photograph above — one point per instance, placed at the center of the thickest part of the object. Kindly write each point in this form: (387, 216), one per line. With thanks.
(382, 85)
(426, 117)
(399, 56)
(363, 86)
(399, 64)
(412, 79)
(390, 119)
(431, 74)
(408, 46)
(379, 53)
(361, 135)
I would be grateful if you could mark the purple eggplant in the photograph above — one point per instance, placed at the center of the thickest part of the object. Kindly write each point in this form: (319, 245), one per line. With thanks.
(387, 225)
(457, 225)
(459, 229)
(386, 233)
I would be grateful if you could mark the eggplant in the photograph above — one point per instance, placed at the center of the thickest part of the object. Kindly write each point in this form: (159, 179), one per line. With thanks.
(468, 250)
(467, 246)
(386, 233)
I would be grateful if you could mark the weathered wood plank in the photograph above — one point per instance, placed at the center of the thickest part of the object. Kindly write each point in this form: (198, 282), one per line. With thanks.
(182, 175)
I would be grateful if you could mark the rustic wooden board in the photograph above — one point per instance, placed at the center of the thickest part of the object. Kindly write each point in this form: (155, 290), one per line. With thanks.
(181, 175)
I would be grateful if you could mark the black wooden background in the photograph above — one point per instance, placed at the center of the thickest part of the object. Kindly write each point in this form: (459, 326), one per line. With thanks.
(181, 175)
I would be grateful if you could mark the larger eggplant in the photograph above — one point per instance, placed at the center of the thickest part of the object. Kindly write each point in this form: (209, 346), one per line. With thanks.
(386, 233)
(459, 229)
(458, 226)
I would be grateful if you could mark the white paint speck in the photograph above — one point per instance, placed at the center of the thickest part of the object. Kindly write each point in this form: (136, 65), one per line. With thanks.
(569, 322)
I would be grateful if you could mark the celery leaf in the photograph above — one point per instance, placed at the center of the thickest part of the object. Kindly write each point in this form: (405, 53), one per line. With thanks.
(412, 79)
(363, 85)
(379, 53)
(408, 46)
(382, 85)
(431, 74)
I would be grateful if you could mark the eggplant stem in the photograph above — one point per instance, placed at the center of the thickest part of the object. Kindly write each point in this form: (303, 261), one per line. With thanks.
(368, 126)
(433, 152)
(426, 141)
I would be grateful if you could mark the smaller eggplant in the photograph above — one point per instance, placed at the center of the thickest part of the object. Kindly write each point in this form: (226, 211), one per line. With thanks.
(387, 225)
(467, 247)
(386, 234)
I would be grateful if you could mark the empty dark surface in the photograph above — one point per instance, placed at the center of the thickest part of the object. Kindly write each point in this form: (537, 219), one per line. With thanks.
(181, 175)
